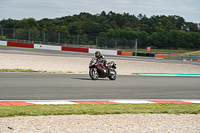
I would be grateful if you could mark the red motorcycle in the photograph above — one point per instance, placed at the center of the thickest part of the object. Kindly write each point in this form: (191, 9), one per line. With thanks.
(98, 70)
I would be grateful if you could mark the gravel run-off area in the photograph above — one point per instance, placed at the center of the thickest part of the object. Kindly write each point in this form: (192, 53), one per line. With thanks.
(120, 123)
(130, 123)
(80, 65)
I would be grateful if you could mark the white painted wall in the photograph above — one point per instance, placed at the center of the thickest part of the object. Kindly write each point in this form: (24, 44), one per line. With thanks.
(49, 47)
(3, 43)
(104, 52)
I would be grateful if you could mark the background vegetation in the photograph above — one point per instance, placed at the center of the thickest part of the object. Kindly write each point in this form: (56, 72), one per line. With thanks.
(171, 32)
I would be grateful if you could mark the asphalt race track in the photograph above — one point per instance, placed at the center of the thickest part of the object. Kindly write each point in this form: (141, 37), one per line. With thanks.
(45, 86)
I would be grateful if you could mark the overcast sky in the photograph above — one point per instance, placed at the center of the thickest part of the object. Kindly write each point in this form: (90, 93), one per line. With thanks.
(39, 9)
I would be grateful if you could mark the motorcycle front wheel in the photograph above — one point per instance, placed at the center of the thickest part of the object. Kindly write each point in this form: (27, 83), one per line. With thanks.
(113, 75)
(93, 74)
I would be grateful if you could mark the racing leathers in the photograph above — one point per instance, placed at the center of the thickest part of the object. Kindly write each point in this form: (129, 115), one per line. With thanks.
(103, 60)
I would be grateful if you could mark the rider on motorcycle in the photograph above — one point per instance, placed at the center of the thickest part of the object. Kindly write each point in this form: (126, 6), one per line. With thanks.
(101, 58)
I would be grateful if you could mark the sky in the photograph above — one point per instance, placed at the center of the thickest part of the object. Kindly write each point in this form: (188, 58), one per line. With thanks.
(39, 9)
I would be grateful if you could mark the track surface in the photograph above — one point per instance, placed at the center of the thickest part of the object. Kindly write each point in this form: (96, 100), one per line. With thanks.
(43, 86)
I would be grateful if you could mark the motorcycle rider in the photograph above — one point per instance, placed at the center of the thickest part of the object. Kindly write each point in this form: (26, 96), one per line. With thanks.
(101, 58)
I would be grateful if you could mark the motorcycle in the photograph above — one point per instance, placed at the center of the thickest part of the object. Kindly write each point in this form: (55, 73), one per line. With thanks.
(97, 69)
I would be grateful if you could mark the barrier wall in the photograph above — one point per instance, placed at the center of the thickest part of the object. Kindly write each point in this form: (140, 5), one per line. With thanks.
(48, 47)
(90, 50)
(144, 54)
(119, 52)
(3, 43)
(75, 49)
(104, 52)
(126, 53)
(19, 44)
(161, 55)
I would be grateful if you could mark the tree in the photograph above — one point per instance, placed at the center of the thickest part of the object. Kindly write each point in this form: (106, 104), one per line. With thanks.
(154, 39)
(10, 23)
(111, 33)
(75, 28)
(169, 26)
(180, 22)
(145, 27)
(158, 39)
(143, 39)
(192, 27)
(31, 22)
(195, 39)
(189, 40)
(103, 13)
(64, 34)
(114, 25)
(22, 24)
(92, 28)
(176, 39)
(35, 34)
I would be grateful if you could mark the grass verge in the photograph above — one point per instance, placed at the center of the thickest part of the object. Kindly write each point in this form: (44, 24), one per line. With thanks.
(195, 53)
(160, 51)
(165, 51)
(17, 70)
(99, 109)
(30, 70)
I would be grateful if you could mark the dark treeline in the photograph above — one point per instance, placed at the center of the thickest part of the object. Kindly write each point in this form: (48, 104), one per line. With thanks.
(157, 31)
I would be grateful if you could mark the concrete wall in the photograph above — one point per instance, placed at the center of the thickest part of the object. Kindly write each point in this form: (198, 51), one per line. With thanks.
(104, 52)
(3, 43)
(48, 47)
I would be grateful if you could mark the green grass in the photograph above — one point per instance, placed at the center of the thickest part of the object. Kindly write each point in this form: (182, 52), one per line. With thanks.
(99, 109)
(17, 70)
(30, 70)
(165, 51)
(195, 53)
(160, 51)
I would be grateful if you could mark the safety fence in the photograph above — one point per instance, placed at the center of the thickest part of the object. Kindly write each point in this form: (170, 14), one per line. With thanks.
(63, 39)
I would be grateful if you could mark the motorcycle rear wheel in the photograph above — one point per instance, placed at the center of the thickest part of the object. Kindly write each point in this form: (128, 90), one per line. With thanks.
(93, 74)
(113, 75)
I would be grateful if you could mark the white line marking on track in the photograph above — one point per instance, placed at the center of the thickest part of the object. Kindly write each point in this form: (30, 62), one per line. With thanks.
(131, 101)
